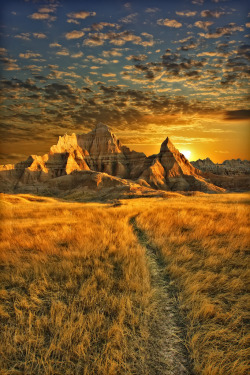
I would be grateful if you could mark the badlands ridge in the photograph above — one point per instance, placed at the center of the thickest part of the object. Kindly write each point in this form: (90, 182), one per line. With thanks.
(96, 164)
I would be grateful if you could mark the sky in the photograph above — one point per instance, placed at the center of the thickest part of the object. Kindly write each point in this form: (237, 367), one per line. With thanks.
(149, 69)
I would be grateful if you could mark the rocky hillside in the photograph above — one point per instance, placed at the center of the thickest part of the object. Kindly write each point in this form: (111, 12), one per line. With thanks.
(98, 159)
(227, 168)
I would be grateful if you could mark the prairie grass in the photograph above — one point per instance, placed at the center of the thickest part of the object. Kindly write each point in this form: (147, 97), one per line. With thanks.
(204, 242)
(75, 290)
(76, 293)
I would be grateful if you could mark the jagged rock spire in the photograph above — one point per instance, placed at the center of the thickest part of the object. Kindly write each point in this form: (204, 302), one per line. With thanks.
(167, 145)
(100, 151)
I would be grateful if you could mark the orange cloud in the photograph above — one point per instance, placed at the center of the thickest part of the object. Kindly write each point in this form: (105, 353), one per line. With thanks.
(29, 55)
(42, 16)
(169, 23)
(75, 34)
(81, 15)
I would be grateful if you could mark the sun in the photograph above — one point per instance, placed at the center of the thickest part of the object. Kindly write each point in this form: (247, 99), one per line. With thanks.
(186, 153)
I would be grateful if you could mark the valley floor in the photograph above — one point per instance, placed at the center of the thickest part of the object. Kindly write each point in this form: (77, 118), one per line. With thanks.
(153, 286)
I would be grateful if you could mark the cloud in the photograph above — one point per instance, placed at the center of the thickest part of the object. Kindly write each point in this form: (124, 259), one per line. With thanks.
(187, 46)
(186, 13)
(211, 13)
(17, 85)
(136, 58)
(243, 51)
(118, 39)
(10, 158)
(108, 74)
(57, 91)
(53, 66)
(113, 52)
(197, 2)
(29, 55)
(211, 54)
(169, 23)
(147, 35)
(61, 75)
(23, 36)
(63, 52)
(46, 10)
(88, 81)
(81, 15)
(97, 60)
(179, 68)
(127, 5)
(240, 114)
(66, 106)
(99, 26)
(94, 40)
(9, 64)
(222, 152)
(129, 67)
(42, 16)
(52, 45)
(75, 34)
(203, 24)
(77, 55)
(39, 35)
(3, 51)
(130, 18)
(70, 20)
(34, 68)
(152, 10)
(225, 30)
(40, 78)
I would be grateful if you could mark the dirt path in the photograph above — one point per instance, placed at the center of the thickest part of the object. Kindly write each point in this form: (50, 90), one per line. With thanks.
(166, 353)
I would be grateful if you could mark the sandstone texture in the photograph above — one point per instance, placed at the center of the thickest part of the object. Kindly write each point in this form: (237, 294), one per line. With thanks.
(97, 161)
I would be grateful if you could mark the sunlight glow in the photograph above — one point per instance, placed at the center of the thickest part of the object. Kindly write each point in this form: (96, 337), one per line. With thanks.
(186, 153)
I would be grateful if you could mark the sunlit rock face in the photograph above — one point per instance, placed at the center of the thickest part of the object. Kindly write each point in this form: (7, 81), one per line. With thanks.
(154, 174)
(170, 170)
(100, 151)
(100, 141)
(106, 153)
(66, 157)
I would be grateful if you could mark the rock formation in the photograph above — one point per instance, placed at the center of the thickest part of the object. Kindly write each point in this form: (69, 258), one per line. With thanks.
(231, 175)
(78, 160)
(170, 170)
(227, 168)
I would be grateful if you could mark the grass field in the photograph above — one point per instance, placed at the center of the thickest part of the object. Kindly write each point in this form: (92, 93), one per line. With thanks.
(78, 295)
(205, 245)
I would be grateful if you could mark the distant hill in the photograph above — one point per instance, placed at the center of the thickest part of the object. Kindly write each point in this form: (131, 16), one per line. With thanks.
(227, 168)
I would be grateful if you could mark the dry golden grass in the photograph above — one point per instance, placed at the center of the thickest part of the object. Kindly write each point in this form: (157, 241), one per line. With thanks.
(76, 292)
(204, 243)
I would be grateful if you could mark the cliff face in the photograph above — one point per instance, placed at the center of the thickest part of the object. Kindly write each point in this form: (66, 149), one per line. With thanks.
(100, 151)
(170, 170)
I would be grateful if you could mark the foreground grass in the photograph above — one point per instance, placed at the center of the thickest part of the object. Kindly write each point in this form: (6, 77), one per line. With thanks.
(204, 243)
(76, 292)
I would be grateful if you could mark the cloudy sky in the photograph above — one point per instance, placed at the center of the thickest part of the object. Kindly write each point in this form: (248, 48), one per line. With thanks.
(149, 69)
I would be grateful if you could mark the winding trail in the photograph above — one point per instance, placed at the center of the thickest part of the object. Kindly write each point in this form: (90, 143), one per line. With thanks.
(166, 355)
